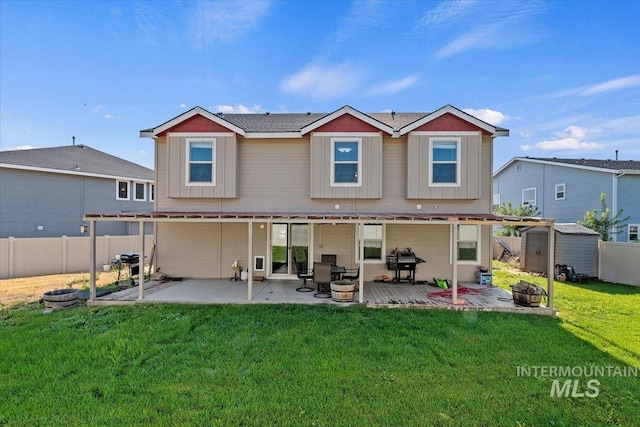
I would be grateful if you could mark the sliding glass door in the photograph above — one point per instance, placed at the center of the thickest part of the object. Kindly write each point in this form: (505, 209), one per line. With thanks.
(289, 243)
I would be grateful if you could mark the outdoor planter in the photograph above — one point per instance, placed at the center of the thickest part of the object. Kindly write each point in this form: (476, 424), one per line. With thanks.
(527, 294)
(60, 298)
(343, 290)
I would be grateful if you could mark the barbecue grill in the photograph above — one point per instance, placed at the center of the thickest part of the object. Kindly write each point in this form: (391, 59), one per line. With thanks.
(132, 259)
(404, 261)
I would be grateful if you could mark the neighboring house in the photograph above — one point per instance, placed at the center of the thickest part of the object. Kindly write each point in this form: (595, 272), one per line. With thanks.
(267, 189)
(45, 192)
(565, 189)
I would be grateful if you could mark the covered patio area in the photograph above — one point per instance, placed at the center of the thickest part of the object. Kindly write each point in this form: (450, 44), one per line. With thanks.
(471, 296)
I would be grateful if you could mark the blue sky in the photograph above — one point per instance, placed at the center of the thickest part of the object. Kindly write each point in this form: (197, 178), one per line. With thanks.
(563, 77)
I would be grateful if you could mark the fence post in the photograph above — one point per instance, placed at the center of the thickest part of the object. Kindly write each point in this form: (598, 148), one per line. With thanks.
(65, 240)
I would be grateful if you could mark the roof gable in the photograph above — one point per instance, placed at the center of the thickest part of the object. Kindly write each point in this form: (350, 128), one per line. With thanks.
(185, 120)
(356, 120)
(197, 123)
(449, 118)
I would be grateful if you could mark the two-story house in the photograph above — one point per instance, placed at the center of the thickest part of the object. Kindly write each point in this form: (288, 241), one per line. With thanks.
(264, 190)
(565, 189)
(45, 192)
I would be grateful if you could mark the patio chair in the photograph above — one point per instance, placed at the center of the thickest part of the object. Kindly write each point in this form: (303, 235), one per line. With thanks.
(322, 278)
(304, 274)
(353, 275)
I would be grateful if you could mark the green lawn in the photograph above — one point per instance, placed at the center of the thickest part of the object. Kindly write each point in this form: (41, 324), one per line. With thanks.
(296, 365)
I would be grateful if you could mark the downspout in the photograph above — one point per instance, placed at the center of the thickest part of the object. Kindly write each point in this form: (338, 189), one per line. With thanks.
(250, 263)
(361, 262)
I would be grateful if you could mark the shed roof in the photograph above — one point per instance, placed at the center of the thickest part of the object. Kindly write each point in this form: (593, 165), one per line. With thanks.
(566, 228)
(75, 159)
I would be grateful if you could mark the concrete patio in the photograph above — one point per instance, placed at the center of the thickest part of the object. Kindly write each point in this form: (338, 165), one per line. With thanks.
(471, 296)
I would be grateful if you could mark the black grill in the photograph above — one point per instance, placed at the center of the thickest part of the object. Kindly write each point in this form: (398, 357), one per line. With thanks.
(403, 261)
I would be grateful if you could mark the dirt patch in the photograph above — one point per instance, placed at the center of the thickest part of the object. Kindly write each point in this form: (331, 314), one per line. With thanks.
(29, 289)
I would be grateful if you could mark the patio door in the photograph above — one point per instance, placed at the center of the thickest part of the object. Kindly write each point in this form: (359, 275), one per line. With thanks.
(288, 242)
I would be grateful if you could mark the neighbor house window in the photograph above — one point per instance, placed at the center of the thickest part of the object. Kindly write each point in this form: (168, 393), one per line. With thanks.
(633, 233)
(560, 191)
(152, 192)
(373, 242)
(122, 190)
(444, 167)
(529, 196)
(496, 202)
(468, 237)
(346, 162)
(200, 161)
(139, 191)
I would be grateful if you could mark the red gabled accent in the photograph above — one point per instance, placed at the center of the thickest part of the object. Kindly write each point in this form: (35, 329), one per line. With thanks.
(197, 123)
(347, 123)
(449, 122)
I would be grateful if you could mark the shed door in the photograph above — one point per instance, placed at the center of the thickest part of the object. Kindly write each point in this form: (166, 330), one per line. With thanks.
(536, 252)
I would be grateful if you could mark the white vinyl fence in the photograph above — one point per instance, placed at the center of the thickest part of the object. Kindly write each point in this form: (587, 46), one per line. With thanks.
(25, 257)
(619, 262)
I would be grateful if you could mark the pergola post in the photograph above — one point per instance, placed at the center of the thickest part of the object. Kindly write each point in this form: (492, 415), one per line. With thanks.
(250, 263)
(550, 264)
(454, 266)
(92, 255)
(141, 261)
(361, 263)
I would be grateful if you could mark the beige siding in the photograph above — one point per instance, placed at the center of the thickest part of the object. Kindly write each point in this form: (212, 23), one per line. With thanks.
(320, 166)
(336, 239)
(225, 169)
(418, 157)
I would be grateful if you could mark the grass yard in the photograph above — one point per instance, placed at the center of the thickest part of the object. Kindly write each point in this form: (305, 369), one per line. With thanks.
(297, 365)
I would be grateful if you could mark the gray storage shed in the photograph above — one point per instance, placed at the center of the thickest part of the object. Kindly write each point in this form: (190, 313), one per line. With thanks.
(575, 245)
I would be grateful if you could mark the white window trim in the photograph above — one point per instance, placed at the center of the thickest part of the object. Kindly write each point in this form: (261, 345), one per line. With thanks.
(629, 232)
(496, 200)
(333, 163)
(564, 191)
(118, 181)
(152, 192)
(478, 247)
(535, 195)
(144, 191)
(383, 249)
(214, 156)
(455, 139)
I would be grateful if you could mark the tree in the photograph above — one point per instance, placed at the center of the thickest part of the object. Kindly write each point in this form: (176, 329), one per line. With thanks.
(509, 210)
(605, 224)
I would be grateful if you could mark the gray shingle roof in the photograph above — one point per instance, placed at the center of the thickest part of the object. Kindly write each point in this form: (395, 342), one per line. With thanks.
(77, 158)
(595, 163)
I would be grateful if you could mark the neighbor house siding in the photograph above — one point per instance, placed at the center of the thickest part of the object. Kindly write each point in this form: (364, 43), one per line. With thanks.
(629, 202)
(57, 202)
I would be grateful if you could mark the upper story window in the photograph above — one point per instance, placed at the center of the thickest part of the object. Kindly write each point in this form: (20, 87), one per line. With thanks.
(633, 233)
(529, 196)
(346, 162)
(139, 191)
(122, 190)
(444, 167)
(200, 161)
(560, 191)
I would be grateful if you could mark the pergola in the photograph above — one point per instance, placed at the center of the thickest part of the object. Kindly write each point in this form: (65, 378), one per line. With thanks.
(359, 219)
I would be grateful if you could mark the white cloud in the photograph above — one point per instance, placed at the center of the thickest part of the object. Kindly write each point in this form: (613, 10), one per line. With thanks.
(525, 147)
(484, 25)
(608, 86)
(109, 117)
(19, 147)
(97, 109)
(183, 105)
(572, 138)
(391, 88)
(613, 85)
(322, 81)
(225, 21)
(447, 13)
(487, 115)
(238, 109)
